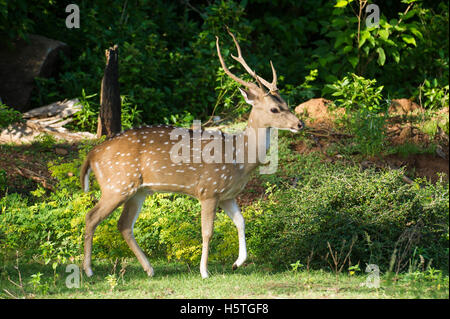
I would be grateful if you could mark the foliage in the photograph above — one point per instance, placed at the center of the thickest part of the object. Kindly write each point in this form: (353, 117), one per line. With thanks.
(87, 118)
(168, 66)
(8, 115)
(335, 202)
(389, 50)
(304, 91)
(3, 180)
(435, 96)
(365, 112)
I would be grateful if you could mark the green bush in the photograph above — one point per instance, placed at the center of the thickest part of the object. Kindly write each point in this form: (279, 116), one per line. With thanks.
(8, 115)
(87, 117)
(365, 111)
(333, 203)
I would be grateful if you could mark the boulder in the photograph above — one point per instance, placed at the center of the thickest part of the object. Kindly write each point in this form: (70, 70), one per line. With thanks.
(404, 107)
(317, 110)
(22, 62)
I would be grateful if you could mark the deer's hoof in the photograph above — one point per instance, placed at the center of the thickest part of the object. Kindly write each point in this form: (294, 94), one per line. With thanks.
(150, 272)
(88, 272)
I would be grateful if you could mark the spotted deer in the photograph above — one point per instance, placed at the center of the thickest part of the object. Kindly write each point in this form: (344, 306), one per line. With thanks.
(136, 163)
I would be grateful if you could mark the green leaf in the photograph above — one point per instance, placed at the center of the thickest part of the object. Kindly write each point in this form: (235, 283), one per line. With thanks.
(340, 40)
(396, 56)
(341, 4)
(384, 34)
(409, 39)
(381, 56)
(347, 49)
(416, 32)
(363, 37)
(353, 61)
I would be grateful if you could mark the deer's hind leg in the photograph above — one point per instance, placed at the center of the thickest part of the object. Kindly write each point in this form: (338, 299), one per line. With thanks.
(106, 205)
(232, 209)
(130, 213)
(208, 214)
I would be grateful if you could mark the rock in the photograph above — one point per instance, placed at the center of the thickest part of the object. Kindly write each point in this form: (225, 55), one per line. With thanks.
(404, 107)
(440, 152)
(22, 63)
(317, 110)
(406, 133)
(61, 151)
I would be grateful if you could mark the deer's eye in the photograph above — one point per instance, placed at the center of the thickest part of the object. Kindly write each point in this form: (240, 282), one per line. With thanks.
(274, 110)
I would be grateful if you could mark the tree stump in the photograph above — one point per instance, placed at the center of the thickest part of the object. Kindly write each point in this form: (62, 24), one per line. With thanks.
(109, 118)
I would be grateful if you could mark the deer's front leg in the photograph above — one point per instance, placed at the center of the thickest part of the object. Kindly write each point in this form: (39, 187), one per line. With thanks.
(208, 214)
(232, 209)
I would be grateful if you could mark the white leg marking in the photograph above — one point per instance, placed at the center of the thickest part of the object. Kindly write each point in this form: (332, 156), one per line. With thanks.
(232, 209)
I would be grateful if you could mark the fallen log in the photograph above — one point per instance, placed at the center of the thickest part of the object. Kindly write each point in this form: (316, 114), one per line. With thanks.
(48, 119)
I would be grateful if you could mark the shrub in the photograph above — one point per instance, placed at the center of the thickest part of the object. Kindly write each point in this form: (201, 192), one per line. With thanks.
(8, 115)
(365, 111)
(333, 203)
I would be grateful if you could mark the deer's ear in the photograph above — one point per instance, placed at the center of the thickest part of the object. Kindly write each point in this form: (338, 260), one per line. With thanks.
(248, 96)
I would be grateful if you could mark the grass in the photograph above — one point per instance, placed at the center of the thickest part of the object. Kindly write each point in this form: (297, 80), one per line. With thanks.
(176, 280)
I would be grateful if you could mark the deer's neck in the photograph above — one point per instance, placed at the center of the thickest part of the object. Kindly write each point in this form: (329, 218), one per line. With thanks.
(257, 144)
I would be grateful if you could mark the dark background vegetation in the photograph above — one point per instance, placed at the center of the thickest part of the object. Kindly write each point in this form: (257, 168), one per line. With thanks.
(169, 67)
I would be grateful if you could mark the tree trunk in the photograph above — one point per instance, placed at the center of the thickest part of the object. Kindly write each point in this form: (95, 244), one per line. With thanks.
(109, 118)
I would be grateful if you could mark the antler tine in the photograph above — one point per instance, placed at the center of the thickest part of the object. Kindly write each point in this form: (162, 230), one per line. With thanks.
(227, 71)
(239, 58)
(271, 86)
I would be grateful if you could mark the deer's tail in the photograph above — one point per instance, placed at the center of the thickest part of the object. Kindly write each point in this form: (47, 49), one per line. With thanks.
(84, 174)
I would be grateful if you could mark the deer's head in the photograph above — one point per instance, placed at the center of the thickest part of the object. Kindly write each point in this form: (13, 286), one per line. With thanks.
(269, 109)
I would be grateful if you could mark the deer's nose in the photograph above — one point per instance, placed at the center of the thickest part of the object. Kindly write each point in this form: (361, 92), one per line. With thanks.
(300, 125)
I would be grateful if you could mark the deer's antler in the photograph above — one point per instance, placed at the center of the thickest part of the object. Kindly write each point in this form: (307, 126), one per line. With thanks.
(239, 58)
(271, 86)
(227, 71)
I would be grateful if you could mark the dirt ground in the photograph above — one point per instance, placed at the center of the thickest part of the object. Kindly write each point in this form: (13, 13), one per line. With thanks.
(401, 129)
(27, 165)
